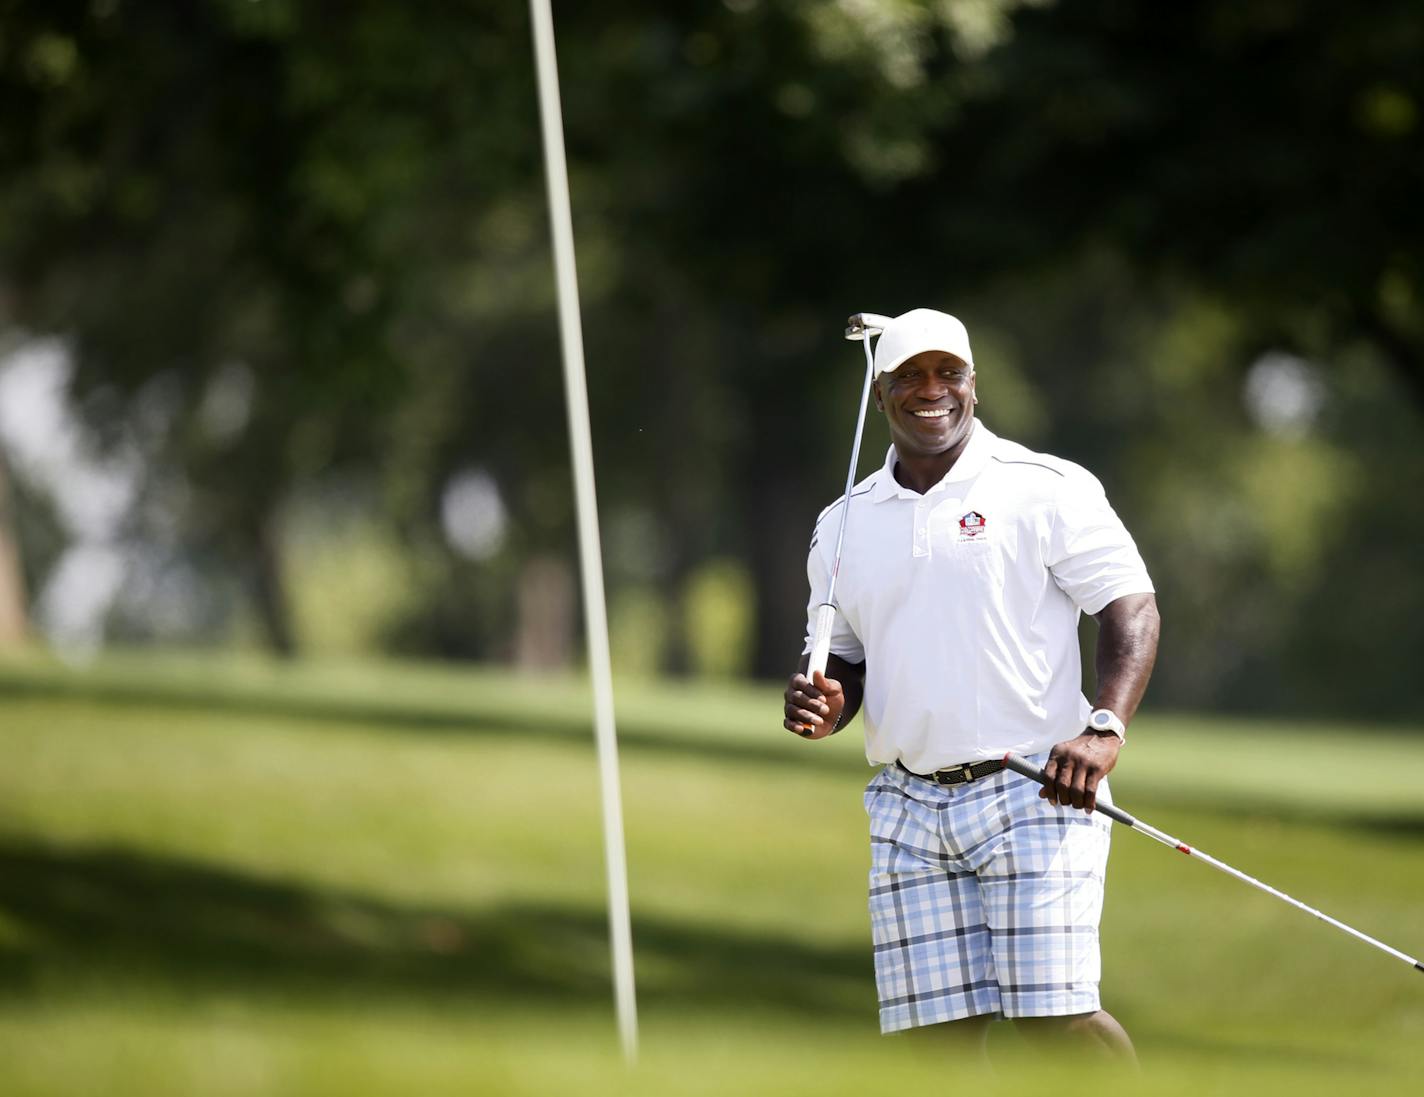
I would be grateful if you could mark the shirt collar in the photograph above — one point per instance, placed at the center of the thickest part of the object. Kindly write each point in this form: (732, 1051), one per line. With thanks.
(969, 465)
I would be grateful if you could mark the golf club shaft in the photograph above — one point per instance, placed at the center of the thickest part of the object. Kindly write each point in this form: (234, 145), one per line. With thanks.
(1033, 772)
(826, 614)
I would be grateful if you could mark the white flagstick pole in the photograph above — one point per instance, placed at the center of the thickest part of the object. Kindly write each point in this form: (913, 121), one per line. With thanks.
(590, 554)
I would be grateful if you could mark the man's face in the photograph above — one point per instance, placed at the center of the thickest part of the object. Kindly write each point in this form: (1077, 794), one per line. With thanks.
(928, 403)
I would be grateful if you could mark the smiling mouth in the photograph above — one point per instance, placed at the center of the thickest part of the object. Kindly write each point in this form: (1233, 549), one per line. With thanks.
(932, 413)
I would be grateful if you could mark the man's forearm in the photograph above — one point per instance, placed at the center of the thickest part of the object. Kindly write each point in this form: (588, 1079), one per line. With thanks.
(1127, 648)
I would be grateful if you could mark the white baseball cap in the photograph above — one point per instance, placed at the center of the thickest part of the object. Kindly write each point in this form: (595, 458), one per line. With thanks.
(919, 330)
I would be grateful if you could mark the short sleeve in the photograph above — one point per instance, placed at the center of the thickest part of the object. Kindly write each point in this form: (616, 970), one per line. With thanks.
(1091, 555)
(844, 641)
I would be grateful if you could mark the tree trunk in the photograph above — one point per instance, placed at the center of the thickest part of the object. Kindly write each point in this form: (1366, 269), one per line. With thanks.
(274, 609)
(1404, 354)
(675, 657)
(14, 617)
(544, 638)
(778, 559)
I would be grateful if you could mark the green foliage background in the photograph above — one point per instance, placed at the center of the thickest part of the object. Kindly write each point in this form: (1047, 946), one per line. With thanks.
(1129, 204)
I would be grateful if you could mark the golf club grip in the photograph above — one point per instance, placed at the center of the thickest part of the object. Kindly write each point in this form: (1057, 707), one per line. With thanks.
(1032, 772)
(821, 639)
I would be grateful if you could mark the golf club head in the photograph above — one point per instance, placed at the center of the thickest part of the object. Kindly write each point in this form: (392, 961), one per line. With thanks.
(865, 324)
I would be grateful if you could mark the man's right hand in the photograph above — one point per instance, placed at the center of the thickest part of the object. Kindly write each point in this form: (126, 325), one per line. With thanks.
(813, 705)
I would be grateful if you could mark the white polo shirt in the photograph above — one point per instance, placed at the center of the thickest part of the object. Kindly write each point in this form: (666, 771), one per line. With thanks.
(963, 602)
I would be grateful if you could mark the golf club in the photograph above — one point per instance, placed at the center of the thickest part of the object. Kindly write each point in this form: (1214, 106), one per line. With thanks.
(861, 326)
(1029, 770)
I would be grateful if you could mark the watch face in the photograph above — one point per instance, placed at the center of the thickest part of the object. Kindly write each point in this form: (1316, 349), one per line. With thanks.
(1101, 719)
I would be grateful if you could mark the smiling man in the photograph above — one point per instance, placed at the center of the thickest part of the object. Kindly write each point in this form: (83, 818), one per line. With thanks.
(967, 561)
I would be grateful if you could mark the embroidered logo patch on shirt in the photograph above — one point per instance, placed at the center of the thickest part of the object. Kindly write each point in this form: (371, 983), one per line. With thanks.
(971, 526)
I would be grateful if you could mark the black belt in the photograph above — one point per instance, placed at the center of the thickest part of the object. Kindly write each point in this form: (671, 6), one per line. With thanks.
(957, 775)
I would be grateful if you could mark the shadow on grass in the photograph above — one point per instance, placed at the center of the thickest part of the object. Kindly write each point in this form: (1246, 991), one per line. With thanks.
(77, 919)
(472, 720)
(110, 915)
(636, 734)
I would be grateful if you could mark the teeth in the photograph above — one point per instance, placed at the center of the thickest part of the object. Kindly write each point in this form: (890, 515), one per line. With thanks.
(932, 413)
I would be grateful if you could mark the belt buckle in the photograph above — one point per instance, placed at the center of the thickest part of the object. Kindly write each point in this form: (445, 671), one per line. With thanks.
(962, 771)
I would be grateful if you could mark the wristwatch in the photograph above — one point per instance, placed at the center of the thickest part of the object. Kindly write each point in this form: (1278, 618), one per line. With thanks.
(1105, 719)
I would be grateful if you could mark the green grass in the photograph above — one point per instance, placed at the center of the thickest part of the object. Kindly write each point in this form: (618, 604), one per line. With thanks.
(225, 876)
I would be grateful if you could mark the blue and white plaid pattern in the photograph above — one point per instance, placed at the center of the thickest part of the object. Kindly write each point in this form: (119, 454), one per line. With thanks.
(984, 899)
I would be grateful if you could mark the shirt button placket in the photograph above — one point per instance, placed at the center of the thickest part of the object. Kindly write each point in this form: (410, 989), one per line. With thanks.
(921, 546)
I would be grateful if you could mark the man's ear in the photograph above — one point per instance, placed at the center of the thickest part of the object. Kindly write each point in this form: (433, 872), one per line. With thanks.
(875, 391)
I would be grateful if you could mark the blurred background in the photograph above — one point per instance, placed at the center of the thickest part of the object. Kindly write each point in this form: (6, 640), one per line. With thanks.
(290, 639)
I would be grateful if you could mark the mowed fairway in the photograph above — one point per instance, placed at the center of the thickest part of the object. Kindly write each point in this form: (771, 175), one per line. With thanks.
(224, 877)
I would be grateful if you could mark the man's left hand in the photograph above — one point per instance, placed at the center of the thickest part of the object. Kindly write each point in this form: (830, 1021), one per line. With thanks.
(1075, 767)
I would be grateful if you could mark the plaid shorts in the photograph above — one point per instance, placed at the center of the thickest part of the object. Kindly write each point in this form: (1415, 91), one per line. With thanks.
(984, 899)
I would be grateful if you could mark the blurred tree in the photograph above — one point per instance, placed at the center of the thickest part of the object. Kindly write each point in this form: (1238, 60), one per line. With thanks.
(204, 191)
(142, 222)
(312, 236)
(1270, 154)
(14, 616)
